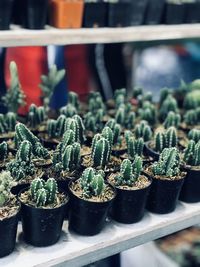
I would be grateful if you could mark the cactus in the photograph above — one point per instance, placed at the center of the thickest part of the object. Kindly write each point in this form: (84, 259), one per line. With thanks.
(164, 93)
(172, 119)
(134, 147)
(101, 151)
(61, 125)
(22, 166)
(168, 164)
(130, 120)
(6, 183)
(51, 128)
(92, 183)
(90, 122)
(192, 100)
(192, 117)
(192, 153)
(143, 130)
(169, 104)
(2, 124)
(148, 112)
(166, 139)
(116, 128)
(10, 120)
(194, 135)
(15, 97)
(95, 102)
(124, 117)
(76, 125)
(137, 91)
(69, 111)
(3, 151)
(43, 193)
(73, 99)
(120, 115)
(22, 133)
(129, 173)
(119, 97)
(107, 133)
(36, 115)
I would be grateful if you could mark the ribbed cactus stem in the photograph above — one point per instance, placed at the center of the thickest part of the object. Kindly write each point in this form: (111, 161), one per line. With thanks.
(51, 128)
(192, 153)
(172, 119)
(69, 110)
(73, 99)
(61, 125)
(171, 137)
(6, 183)
(101, 153)
(3, 151)
(51, 188)
(194, 135)
(25, 151)
(159, 142)
(10, 120)
(107, 133)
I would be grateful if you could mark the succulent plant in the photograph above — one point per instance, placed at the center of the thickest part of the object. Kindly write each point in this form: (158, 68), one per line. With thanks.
(3, 151)
(95, 102)
(92, 183)
(192, 100)
(164, 93)
(107, 133)
(14, 97)
(6, 183)
(172, 119)
(43, 193)
(194, 135)
(36, 116)
(166, 139)
(168, 164)
(147, 96)
(90, 122)
(49, 83)
(119, 97)
(169, 104)
(73, 99)
(61, 125)
(10, 120)
(148, 112)
(51, 128)
(69, 110)
(22, 166)
(129, 172)
(192, 117)
(76, 124)
(134, 147)
(125, 117)
(137, 91)
(2, 124)
(143, 130)
(192, 154)
(120, 115)
(22, 133)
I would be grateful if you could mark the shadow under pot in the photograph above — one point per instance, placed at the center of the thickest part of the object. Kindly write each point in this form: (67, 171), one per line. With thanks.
(87, 217)
(170, 11)
(119, 14)
(42, 226)
(190, 191)
(150, 152)
(35, 14)
(129, 204)
(6, 7)
(164, 194)
(192, 12)
(95, 14)
(138, 9)
(154, 12)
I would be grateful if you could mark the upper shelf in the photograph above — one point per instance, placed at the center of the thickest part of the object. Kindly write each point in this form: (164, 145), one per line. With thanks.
(25, 37)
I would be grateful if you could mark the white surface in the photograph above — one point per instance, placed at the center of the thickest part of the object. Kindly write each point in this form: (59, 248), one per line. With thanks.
(74, 250)
(25, 37)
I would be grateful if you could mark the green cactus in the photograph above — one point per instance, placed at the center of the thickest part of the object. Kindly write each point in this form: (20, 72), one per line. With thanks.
(92, 183)
(69, 110)
(130, 120)
(137, 91)
(61, 125)
(192, 153)
(166, 139)
(119, 97)
(3, 126)
(3, 151)
(164, 93)
(6, 183)
(169, 104)
(43, 193)
(172, 119)
(148, 112)
(120, 115)
(101, 151)
(134, 147)
(107, 133)
(76, 124)
(10, 120)
(95, 102)
(192, 100)
(36, 116)
(168, 164)
(129, 172)
(90, 122)
(192, 117)
(194, 135)
(51, 128)
(73, 99)
(15, 97)
(116, 128)
(49, 83)
(143, 130)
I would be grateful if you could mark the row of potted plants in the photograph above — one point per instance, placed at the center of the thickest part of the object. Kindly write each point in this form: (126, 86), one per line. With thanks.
(35, 14)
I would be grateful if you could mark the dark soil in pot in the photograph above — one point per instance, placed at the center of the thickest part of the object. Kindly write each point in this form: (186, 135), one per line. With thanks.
(150, 152)
(119, 14)
(5, 14)
(42, 226)
(87, 217)
(48, 142)
(129, 204)
(171, 10)
(190, 191)
(8, 227)
(154, 12)
(192, 12)
(95, 14)
(164, 194)
(138, 9)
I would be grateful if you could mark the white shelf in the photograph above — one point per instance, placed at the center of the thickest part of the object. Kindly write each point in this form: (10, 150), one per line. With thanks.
(25, 37)
(74, 250)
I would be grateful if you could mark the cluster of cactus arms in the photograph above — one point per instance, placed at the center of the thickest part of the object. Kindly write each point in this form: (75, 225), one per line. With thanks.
(14, 97)
(76, 125)
(143, 130)
(36, 115)
(192, 153)
(3, 151)
(69, 110)
(192, 117)
(169, 104)
(92, 182)
(101, 151)
(95, 102)
(166, 139)
(168, 164)
(10, 121)
(116, 129)
(6, 183)
(43, 193)
(164, 93)
(22, 166)
(56, 128)
(172, 119)
(148, 112)
(107, 133)
(93, 121)
(125, 117)
(73, 99)
(192, 100)
(134, 147)
(129, 172)
(147, 96)
(119, 97)
(49, 83)
(194, 135)
(22, 133)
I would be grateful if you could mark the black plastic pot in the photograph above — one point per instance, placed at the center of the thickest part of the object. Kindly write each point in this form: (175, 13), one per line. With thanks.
(87, 217)
(16, 189)
(164, 195)
(42, 227)
(5, 14)
(138, 9)
(49, 144)
(119, 14)
(95, 14)
(8, 231)
(190, 191)
(174, 13)
(150, 152)
(129, 205)
(192, 12)
(35, 14)
(154, 12)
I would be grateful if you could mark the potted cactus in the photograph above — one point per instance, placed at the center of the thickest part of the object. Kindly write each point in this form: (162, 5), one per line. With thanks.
(143, 130)
(43, 209)
(132, 189)
(9, 210)
(191, 164)
(7, 126)
(191, 120)
(5, 155)
(36, 119)
(167, 180)
(90, 200)
(168, 104)
(148, 113)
